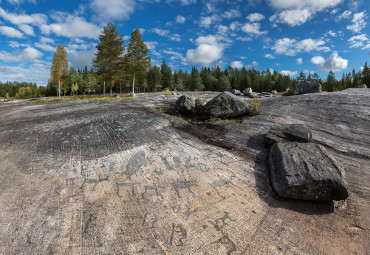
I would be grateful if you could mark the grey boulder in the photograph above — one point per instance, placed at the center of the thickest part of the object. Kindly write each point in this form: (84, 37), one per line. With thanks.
(247, 91)
(235, 92)
(288, 133)
(227, 105)
(307, 87)
(306, 171)
(186, 104)
(363, 86)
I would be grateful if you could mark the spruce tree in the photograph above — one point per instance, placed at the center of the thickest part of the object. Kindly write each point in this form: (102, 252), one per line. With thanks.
(137, 58)
(59, 68)
(167, 78)
(108, 60)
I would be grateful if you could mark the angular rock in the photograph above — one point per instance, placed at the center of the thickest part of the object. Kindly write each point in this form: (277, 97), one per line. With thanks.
(307, 87)
(306, 171)
(363, 86)
(288, 133)
(235, 92)
(247, 91)
(227, 105)
(186, 104)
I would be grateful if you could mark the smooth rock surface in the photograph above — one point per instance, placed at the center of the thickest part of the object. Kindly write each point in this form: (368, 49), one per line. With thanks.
(227, 105)
(307, 87)
(288, 133)
(306, 171)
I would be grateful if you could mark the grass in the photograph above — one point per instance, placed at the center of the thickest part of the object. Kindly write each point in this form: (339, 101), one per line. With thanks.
(75, 98)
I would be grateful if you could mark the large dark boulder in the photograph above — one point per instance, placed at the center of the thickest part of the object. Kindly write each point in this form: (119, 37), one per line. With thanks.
(288, 133)
(227, 105)
(306, 171)
(307, 87)
(186, 104)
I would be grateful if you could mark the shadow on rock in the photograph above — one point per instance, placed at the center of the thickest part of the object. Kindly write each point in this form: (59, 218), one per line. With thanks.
(265, 191)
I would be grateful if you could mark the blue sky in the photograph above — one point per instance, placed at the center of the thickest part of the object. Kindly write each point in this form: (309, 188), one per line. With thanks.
(287, 35)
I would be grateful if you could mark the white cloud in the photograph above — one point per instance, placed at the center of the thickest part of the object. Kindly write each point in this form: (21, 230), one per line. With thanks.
(299, 61)
(295, 17)
(288, 73)
(180, 19)
(151, 45)
(359, 41)
(231, 14)
(269, 56)
(167, 33)
(28, 30)
(334, 62)
(234, 26)
(254, 64)
(317, 60)
(10, 32)
(345, 15)
(113, 9)
(15, 44)
(292, 47)
(237, 64)
(45, 47)
(81, 59)
(358, 22)
(316, 5)
(253, 28)
(255, 17)
(207, 52)
(29, 54)
(19, 19)
(71, 27)
(174, 55)
(21, 1)
(38, 73)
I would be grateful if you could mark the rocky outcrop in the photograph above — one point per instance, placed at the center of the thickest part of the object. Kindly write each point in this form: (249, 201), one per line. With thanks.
(363, 86)
(307, 87)
(227, 105)
(236, 92)
(306, 171)
(288, 133)
(247, 91)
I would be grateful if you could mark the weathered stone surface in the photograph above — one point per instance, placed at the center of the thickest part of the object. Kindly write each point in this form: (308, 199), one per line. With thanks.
(363, 86)
(235, 92)
(186, 104)
(307, 87)
(227, 105)
(306, 171)
(274, 92)
(288, 133)
(247, 91)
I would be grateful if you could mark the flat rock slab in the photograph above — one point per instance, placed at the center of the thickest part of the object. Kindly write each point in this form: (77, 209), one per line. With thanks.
(306, 171)
(288, 133)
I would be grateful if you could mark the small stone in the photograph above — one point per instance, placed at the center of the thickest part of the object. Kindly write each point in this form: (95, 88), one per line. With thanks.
(288, 133)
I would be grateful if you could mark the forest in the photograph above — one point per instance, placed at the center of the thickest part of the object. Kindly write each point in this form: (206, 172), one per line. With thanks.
(113, 71)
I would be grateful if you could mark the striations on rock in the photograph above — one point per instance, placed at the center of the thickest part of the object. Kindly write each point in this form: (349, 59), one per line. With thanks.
(227, 105)
(307, 87)
(288, 133)
(306, 171)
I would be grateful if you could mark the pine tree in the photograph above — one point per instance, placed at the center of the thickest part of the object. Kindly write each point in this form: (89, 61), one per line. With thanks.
(167, 79)
(366, 75)
(59, 67)
(137, 58)
(154, 78)
(108, 60)
(223, 83)
(330, 81)
(196, 80)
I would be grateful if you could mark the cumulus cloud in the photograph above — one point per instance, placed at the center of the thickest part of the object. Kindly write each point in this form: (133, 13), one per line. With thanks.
(358, 22)
(180, 19)
(21, 1)
(237, 64)
(334, 62)
(37, 73)
(72, 26)
(80, 59)
(295, 17)
(317, 5)
(288, 73)
(208, 51)
(292, 47)
(207, 21)
(19, 19)
(299, 61)
(231, 14)
(167, 33)
(112, 10)
(28, 54)
(28, 30)
(255, 17)
(359, 41)
(253, 28)
(10, 32)
(345, 15)
(269, 56)
(151, 45)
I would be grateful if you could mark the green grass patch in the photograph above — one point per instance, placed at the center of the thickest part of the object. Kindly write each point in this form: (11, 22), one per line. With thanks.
(75, 98)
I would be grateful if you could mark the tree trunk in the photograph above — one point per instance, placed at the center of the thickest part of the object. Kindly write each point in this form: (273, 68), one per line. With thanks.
(133, 86)
(104, 89)
(111, 93)
(59, 89)
(120, 87)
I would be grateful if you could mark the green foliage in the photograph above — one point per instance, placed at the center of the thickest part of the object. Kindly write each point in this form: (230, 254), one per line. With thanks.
(59, 68)
(288, 92)
(167, 77)
(255, 106)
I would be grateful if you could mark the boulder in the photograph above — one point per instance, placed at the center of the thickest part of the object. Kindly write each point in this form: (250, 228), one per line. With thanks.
(266, 94)
(227, 105)
(235, 92)
(306, 171)
(174, 93)
(288, 133)
(274, 92)
(247, 91)
(363, 86)
(307, 87)
(186, 104)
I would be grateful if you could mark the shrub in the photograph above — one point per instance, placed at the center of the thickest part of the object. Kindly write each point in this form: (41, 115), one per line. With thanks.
(255, 106)
(288, 92)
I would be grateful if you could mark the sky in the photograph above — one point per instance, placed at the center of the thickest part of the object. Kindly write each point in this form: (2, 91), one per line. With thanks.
(286, 35)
